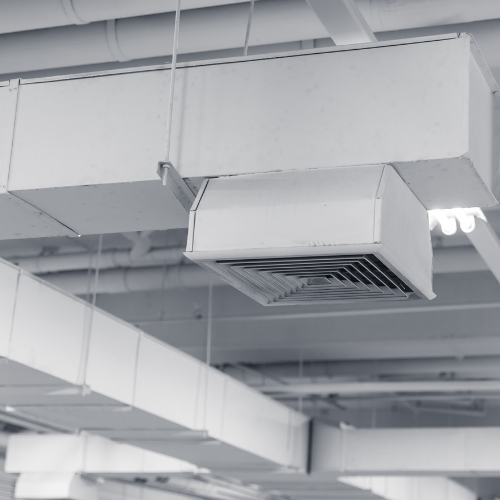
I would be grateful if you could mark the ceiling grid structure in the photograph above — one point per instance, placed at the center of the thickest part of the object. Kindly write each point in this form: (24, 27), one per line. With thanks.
(345, 171)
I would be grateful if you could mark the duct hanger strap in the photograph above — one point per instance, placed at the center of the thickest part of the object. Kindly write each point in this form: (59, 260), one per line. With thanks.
(6, 145)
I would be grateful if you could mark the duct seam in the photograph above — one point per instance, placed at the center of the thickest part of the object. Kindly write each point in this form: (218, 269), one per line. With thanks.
(113, 44)
(71, 14)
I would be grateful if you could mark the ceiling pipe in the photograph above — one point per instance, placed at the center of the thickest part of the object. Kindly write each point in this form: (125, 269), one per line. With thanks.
(223, 27)
(134, 279)
(472, 365)
(432, 386)
(24, 15)
(381, 15)
(107, 260)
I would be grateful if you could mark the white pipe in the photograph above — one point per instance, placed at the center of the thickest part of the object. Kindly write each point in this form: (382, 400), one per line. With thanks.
(107, 260)
(470, 365)
(378, 387)
(381, 15)
(223, 27)
(24, 15)
(202, 30)
(134, 279)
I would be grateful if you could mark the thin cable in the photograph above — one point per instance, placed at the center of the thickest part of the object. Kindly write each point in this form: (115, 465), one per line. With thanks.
(88, 327)
(301, 376)
(209, 320)
(96, 275)
(172, 88)
(249, 27)
(209, 350)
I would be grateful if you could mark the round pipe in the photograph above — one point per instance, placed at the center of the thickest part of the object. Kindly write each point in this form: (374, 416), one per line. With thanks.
(107, 260)
(24, 15)
(223, 27)
(134, 279)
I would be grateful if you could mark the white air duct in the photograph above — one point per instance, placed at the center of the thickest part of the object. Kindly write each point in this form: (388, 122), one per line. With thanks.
(305, 237)
(434, 95)
(55, 486)
(105, 376)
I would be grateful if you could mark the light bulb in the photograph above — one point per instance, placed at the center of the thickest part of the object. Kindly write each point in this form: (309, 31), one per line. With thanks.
(467, 221)
(448, 224)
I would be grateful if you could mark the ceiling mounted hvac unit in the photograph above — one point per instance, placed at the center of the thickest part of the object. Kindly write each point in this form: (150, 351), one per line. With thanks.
(308, 237)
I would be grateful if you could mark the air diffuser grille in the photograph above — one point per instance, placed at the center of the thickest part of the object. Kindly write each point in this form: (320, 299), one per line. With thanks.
(317, 279)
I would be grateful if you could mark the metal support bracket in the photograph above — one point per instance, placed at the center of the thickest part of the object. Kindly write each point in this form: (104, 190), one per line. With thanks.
(178, 187)
(343, 21)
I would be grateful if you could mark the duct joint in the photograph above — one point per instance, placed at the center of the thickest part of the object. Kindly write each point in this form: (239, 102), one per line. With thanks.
(113, 44)
(71, 14)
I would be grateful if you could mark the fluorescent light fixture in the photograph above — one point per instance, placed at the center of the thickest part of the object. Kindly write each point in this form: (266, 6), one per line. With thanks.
(447, 219)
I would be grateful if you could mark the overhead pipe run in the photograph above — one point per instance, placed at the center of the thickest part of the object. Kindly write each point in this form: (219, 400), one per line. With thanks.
(25, 15)
(253, 373)
(134, 279)
(217, 27)
(381, 15)
(357, 387)
(106, 260)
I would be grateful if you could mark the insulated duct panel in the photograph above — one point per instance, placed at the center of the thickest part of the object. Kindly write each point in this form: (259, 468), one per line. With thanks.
(422, 105)
(73, 368)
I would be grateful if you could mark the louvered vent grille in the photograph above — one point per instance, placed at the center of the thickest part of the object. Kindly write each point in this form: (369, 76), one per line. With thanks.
(318, 279)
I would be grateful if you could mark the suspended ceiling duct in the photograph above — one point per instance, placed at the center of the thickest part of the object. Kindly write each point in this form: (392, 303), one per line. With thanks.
(458, 452)
(114, 132)
(266, 236)
(55, 486)
(86, 454)
(105, 377)
(416, 488)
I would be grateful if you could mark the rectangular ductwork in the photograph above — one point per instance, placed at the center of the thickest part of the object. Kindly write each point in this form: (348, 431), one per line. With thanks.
(307, 237)
(55, 486)
(108, 378)
(423, 105)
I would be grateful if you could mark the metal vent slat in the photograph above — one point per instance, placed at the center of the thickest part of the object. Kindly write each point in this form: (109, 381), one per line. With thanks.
(318, 279)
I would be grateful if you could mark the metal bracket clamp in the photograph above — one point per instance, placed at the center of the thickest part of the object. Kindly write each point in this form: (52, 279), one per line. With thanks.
(178, 187)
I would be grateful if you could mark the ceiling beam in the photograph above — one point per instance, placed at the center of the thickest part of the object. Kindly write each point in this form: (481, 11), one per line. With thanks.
(343, 21)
